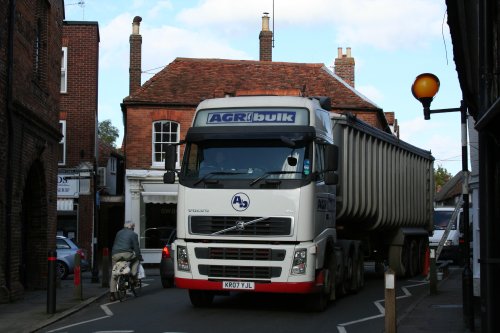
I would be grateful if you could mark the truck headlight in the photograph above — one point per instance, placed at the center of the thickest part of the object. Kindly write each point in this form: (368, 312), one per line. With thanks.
(299, 261)
(182, 259)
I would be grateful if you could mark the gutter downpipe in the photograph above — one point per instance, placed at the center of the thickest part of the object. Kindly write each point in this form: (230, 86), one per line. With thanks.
(10, 145)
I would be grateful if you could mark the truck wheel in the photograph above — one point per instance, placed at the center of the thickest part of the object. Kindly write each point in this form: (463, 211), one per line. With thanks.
(398, 259)
(358, 281)
(167, 282)
(201, 298)
(318, 302)
(348, 274)
(423, 244)
(413, 258)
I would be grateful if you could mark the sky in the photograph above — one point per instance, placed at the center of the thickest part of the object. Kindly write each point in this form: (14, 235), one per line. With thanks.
(392, 42)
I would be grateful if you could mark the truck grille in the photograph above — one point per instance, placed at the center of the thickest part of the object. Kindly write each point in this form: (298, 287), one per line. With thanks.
(225, 253)
(272, 226)
(244, 272)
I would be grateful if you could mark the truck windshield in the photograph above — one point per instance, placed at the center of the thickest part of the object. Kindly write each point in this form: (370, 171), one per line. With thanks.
(249, 160)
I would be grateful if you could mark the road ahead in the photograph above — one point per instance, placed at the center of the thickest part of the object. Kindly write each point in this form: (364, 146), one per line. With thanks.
(169, 310)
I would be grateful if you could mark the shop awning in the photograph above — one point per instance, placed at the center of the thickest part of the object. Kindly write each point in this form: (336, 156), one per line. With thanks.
(159, 193)
(65, 204)
(159, 197)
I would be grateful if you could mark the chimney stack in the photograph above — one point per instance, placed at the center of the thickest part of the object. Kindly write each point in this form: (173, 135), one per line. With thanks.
(266, 40)
(135, 56)
(344, 66)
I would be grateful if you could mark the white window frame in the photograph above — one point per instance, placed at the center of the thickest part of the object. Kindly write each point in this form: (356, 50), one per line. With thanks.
(63, 141)
(161, 164)
(64, 70)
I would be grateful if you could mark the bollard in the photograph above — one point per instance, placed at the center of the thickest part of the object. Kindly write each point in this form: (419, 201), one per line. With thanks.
(105, 267)
(427, 263)
(77, 274)
(433, 273)
(51, 282)
(390, 301)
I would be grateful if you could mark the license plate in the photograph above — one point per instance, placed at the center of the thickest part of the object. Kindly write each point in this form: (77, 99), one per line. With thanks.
(240, 285)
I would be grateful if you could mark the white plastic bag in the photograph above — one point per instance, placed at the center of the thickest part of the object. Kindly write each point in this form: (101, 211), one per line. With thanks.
(140, 273)
(121, 267)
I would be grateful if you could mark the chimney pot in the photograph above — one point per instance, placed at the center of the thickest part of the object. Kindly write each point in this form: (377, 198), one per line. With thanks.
(135, 25)
(266, 40)
(265, 22)
(339, 52)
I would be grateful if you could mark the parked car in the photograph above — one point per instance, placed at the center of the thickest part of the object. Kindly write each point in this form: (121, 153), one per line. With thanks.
(451, 248)
(167, 261)
(66, 250)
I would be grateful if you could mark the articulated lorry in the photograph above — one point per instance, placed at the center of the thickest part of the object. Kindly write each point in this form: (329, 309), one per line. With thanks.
(277, 194)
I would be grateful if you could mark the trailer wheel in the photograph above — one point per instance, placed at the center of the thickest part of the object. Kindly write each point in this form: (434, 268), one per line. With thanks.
(423, 245)
(413, 258)
(201, 298)
(398, 260)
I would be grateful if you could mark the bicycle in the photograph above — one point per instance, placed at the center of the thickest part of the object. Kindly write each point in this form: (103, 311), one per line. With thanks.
(125, 281)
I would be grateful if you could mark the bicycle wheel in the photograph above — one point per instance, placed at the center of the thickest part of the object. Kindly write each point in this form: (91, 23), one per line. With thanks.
(121, 287)
(136, 288)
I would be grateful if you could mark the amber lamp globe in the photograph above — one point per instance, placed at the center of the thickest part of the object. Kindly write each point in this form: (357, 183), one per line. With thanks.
(424, 89)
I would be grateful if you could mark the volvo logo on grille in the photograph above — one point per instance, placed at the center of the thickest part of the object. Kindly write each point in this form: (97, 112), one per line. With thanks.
(240, 225)
(240, 201)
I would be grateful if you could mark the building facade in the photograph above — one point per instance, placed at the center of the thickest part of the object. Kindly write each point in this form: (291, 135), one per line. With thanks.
(160, 111)
(30, 80)
(78, 153)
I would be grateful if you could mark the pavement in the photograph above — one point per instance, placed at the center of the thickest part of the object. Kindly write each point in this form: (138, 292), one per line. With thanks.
(440, 312)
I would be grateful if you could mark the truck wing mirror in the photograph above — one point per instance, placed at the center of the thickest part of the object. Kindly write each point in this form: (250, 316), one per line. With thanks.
(331, 158)
(170, 157)
(331, 178)
(169, 177)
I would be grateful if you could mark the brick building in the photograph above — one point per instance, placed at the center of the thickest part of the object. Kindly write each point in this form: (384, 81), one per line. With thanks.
(30, 77)
(160, 112)
(78, 153)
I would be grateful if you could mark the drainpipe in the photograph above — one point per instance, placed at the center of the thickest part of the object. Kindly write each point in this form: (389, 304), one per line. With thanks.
(10, 145)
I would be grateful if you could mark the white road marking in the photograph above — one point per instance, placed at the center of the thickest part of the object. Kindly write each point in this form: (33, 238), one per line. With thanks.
(106, 310)
(378, 304)
(76, 324)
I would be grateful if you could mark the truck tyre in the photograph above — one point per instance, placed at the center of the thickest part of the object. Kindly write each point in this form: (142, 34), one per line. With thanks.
(423, 245)
(201, 298)
(358, 281)
(349, 273)
(398, 259)
(413, 258)
(318, 302)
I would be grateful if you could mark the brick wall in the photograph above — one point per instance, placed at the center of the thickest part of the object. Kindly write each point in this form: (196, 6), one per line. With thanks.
(138, 139)
(79, 109)
(30, 133)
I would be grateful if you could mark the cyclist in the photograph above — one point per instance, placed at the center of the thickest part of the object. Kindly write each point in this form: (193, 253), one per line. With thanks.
(125, 248)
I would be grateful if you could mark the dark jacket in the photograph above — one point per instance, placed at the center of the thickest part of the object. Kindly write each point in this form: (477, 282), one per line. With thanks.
(126, 240)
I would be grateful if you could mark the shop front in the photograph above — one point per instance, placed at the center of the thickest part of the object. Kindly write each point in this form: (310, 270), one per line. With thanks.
(152, 205)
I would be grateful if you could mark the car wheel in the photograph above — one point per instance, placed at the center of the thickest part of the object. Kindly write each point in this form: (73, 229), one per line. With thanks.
(167, 282)
(61, 270)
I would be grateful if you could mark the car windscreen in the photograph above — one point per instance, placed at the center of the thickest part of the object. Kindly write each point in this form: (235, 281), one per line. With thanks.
(442, 218)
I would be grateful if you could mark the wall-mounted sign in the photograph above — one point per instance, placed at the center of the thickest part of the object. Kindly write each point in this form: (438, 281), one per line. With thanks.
(68, 185)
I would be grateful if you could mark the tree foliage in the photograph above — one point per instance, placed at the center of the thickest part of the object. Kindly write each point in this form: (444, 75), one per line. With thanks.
(441, 177)
(107, 132)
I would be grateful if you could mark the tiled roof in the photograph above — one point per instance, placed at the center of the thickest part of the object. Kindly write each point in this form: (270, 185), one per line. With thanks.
(187, 81)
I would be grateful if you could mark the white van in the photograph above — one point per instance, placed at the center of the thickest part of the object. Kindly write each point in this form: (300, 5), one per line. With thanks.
(451, 249)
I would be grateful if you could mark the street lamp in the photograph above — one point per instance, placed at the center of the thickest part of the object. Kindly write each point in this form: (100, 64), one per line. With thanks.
(424, 89)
